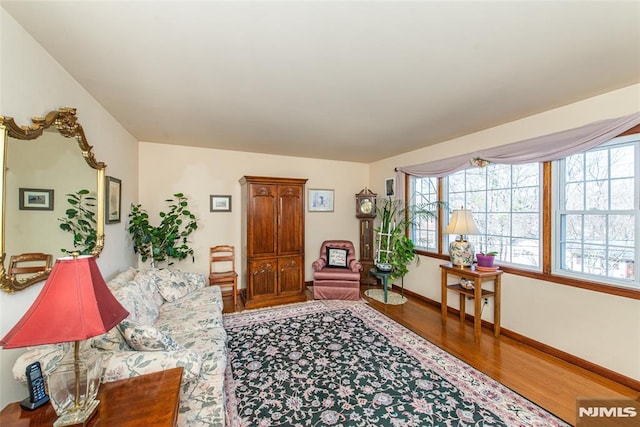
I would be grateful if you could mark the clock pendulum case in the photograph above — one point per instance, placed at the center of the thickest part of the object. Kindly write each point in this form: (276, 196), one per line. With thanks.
(366, 212)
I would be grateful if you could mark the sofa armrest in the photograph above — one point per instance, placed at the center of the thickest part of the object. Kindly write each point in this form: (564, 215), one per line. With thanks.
(355, 266)
(48, 355)
(120, 365)
(319, 264)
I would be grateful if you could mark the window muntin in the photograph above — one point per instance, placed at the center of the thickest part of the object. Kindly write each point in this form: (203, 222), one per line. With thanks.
(505, 201)
(424, 232)
(598, 214)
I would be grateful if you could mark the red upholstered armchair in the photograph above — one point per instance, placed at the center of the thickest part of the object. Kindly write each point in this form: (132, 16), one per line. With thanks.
(336, 274)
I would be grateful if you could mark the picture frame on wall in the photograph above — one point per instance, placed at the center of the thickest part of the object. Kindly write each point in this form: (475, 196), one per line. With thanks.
(35, 199)
(219, 203)
(390, 187)
(113, 193)
(320, 200)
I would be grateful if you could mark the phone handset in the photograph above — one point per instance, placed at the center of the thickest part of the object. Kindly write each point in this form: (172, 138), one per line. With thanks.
(37, 393)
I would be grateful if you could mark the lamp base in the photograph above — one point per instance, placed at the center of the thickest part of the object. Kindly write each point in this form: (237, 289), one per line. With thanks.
(461, 253)
(79, 417)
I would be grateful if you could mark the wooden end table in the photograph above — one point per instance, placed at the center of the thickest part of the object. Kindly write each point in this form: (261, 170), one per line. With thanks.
(477, 293)
(151, 400)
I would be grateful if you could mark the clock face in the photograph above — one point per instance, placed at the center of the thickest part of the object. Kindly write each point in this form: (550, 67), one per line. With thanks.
(366, 207)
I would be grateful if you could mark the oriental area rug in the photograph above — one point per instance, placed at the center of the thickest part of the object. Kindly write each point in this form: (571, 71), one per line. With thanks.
(342, 363)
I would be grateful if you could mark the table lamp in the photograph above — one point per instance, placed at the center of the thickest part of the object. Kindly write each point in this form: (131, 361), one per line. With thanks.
(461, 251)
(75, 304)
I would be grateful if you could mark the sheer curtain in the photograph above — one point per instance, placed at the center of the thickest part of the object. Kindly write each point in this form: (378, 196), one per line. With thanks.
(540, 149)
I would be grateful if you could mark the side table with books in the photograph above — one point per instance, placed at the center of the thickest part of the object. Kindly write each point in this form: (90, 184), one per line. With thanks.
(470, 280)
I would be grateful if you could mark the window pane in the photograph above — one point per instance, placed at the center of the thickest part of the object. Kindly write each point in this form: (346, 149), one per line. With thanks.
(595, 229)
(575, 168)
(526, 225)
(526, 251)
(499, 200)
(526, 199)
(574, 199)
(597, 165)
(622, 163)
(622, 194)
(573, 228)
(597, 195)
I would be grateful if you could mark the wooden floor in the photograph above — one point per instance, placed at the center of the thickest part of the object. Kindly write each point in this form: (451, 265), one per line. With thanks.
(545, 380)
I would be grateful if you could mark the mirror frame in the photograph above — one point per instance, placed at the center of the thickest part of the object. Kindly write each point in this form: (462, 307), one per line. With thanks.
(66, 122)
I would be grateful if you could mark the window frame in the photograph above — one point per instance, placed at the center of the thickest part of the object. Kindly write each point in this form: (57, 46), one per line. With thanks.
(546, 274)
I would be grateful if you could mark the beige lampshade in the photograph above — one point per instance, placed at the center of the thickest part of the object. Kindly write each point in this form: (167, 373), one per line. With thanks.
(462, 223)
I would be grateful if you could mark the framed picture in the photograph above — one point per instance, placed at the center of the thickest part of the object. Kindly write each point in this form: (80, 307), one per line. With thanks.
(219, 203)
(320, 200)
(35, 199)
(390, 186)
(113, 195)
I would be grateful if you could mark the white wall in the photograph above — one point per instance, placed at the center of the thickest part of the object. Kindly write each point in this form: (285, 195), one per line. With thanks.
(198, 173)
(32, 84)
(598, 327)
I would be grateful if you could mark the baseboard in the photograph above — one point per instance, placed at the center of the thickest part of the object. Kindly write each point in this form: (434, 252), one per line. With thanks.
(560, 354)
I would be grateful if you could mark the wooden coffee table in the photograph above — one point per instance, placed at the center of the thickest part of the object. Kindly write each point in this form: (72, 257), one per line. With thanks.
(150, 400)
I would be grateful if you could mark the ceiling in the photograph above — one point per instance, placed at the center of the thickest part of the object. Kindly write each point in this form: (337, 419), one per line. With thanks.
(344, 80)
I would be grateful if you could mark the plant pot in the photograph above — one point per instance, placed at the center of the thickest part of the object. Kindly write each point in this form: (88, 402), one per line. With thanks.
(485, 260)
(384, 267)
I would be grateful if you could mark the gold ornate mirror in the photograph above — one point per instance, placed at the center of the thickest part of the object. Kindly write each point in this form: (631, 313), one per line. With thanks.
(42, 166)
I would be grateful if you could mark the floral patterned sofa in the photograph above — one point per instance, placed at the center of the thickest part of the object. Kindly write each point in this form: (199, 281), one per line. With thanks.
(174, 320)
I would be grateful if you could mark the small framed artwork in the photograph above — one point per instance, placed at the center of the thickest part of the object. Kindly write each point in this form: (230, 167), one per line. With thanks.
(35, 199)
(219, 203)
(320, 200)
(113, 197)
(390, 186)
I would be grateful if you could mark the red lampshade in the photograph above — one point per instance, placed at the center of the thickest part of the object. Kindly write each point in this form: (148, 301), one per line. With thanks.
(74, 304)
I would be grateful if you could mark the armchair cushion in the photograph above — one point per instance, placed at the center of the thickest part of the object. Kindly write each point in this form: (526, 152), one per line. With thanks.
(337, 257)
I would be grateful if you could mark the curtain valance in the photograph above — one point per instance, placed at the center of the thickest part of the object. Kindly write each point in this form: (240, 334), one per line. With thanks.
(540, 149)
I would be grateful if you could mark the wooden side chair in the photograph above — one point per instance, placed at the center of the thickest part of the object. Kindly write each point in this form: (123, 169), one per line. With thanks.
(222, 269)
(29, 263)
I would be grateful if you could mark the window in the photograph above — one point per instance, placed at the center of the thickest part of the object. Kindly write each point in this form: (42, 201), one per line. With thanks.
(598, 212)
(424, 232)
(505, 202)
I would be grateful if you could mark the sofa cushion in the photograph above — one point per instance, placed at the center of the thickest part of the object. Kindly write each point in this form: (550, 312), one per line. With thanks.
(112, 340)
(173, 284)
(208, 298)
(126, 364)
(178, 322)
(141, 310)
(146, 337)
(122, 278)
(148, 287)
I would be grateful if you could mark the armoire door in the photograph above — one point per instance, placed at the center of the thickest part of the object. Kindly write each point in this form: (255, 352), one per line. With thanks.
(290, 219)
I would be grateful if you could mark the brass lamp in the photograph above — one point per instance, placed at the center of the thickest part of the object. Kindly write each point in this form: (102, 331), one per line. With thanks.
(75, 304)
(461, 250)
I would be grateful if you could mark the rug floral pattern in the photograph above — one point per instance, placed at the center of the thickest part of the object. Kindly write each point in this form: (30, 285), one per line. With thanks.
(345, 364)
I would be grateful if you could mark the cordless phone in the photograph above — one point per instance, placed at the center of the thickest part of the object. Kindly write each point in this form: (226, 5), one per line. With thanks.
(35, 382)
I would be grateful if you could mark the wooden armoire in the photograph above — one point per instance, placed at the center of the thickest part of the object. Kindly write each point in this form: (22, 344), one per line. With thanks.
(273, 240)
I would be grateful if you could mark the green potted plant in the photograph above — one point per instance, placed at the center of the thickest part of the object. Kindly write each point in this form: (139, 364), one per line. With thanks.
(80, 220)
(168, 240)
(396, 250)
(486, 259)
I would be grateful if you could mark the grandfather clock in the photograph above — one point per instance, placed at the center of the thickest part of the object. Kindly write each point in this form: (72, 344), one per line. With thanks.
(366, 212)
